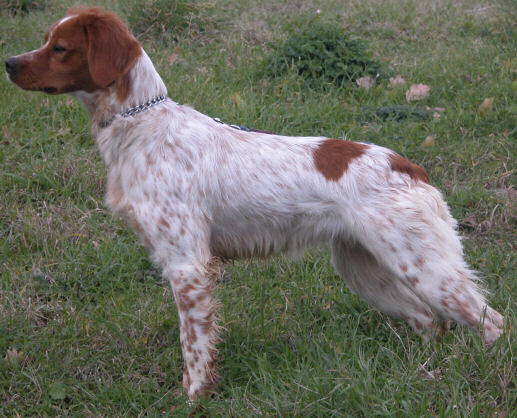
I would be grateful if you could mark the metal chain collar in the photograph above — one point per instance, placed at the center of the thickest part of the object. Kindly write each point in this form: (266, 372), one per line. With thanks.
(140, 108)
(135, 110)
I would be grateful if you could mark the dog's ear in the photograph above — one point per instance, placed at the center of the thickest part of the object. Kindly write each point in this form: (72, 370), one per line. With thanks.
(112, 50)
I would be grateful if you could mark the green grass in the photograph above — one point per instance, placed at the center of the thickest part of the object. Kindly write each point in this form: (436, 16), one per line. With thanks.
(93, 324)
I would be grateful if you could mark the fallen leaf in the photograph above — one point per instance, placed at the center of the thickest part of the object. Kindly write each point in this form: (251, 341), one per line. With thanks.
(429, 374)
(417, 92)
(469, 223)
(7, 134)
(398, 80)
(429, 141)
(365, 82)
(14, 356)
(236, 99)
(174, 56)
(487, 104)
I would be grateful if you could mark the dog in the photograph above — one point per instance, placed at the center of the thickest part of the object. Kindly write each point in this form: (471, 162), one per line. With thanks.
(197, 192)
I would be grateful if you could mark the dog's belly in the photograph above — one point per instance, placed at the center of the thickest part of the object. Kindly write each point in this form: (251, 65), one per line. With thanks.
(251, 235)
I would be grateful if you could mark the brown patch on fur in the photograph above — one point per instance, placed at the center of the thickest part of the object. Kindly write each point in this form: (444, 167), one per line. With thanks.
(185, 303)
(413, 281)
(464, 310)
(403, 165)
(419, 263)
(404, 267)
(186, 378)
(191, 334)
(333, 156)
(164, 222)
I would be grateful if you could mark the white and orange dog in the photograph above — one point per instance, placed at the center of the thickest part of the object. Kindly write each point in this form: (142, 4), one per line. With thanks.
(196, 191)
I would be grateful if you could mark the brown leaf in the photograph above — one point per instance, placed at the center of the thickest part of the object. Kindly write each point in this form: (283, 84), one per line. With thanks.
(7, 134)
(365, 82)
(417, 92)
(469, 223)
(487, 104)
(236, 99)
(398, 80)
(429, 374)
(15, 356)
(429, 141)
(174, 56)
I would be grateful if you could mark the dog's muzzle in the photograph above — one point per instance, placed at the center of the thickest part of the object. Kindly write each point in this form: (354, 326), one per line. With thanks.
(11, 66)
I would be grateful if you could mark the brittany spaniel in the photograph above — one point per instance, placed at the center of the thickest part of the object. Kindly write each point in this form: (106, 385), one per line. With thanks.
(197, 191)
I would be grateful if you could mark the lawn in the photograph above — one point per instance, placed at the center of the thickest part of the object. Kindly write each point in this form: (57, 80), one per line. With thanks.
(87, 325)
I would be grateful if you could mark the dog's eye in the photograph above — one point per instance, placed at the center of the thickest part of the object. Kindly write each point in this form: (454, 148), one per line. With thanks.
(58, 48)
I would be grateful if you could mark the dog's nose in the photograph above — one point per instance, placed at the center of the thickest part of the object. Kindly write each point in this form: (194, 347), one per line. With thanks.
(11, 65)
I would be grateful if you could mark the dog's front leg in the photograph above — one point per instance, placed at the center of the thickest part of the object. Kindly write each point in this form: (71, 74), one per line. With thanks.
(192, 285)
(176, 235)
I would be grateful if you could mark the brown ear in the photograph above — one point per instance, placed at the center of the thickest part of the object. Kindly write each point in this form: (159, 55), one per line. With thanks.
(112, 50)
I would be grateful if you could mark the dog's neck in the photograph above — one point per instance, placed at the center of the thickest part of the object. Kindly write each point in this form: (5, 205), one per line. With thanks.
(144, 85)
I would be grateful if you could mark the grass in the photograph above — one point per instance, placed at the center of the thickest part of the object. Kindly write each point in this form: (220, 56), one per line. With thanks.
(88, 327)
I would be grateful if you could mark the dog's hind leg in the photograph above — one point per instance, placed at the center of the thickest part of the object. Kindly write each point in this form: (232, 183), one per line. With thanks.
(381, 288)
(416, 240)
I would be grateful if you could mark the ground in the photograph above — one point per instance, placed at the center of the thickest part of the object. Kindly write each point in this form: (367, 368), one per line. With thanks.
(88, 327)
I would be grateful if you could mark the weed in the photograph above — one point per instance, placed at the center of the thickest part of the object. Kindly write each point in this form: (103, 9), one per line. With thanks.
(21, 6)
(322, 51)
(165, 19)
(396, 113)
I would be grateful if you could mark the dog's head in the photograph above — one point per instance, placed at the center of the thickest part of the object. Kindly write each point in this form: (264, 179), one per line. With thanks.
(87, 50)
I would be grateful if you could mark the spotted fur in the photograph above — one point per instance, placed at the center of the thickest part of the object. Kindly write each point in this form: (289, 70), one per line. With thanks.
(197, 191)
